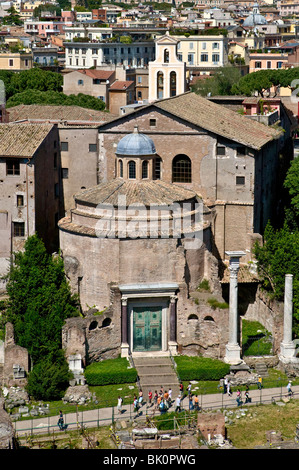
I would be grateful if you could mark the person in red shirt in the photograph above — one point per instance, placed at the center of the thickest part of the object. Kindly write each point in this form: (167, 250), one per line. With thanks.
(150, 396)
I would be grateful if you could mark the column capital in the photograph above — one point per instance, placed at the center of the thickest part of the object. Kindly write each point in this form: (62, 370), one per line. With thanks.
(124, 301)
(173, 298)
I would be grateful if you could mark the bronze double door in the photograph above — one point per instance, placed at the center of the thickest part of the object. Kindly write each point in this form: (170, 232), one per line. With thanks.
(147, 328)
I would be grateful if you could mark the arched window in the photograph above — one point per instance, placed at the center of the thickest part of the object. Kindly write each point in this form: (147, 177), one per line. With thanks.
(160, 85)
(166, 56)
(172, 90)
(144, 169)
(121, 169)
(181, 169)
(193, 317)
(106, 322)
(132, 169)
(93, 325)
(157, 168)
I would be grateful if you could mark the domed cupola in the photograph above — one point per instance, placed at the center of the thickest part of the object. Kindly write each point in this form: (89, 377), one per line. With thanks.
(135, 144)
(255, 18)
(135, 156)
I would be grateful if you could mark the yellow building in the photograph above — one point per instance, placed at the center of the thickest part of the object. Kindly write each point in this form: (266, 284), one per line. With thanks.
(203, 52)
(16, 62)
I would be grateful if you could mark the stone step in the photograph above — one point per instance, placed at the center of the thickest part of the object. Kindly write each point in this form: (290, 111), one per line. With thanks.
(156, 372)
(261, 369)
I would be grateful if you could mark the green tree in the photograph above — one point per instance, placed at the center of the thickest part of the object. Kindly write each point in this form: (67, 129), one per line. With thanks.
(39, 300)
(13, 18)
(219, 84)
(292, 184)
(262, 80)
(278, 256)
(49, 378)
(55, 98)
(33, 79)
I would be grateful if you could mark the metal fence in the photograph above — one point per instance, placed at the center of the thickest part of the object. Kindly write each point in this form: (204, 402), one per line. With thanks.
(105, 417)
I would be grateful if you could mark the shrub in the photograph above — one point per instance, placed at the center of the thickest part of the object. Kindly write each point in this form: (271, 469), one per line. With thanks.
(204, 285)
(215, 304)
(49, 379)
(200, 368)
(110, 371)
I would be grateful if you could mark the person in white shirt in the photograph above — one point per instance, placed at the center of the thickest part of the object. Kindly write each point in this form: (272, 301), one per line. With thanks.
(178, 404)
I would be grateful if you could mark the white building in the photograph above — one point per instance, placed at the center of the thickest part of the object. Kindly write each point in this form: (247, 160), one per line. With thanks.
(86, 55)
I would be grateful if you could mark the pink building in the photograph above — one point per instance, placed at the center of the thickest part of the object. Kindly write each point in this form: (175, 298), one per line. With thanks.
(263, 61)
(256, 105)
(44, 29)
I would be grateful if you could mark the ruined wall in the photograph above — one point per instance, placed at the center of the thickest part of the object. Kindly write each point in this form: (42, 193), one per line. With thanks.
(270, 314)
(14, 355)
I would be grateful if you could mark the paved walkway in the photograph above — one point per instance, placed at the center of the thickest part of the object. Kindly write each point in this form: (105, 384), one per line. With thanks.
(105, 416)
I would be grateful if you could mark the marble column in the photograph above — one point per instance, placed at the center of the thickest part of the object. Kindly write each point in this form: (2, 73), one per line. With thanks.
(233, 349)
(287, 347)
(172, 343)
(124, 328)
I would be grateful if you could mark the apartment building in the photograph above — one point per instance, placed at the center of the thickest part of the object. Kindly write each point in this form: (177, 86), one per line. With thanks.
(264, 61)
(86, 55)
(92, 33)
(16, 62)
(203, 52)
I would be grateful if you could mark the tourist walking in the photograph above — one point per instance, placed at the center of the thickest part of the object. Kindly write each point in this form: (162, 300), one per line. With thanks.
(170, 396)
(260, 383)
(196, 403)
(225, 382)
(178, 404)
(155, 398)
(289, 389)
(119, 404)
(150, 397)
(239, 397)
(229, 390)
(60, 420)
(247, 398)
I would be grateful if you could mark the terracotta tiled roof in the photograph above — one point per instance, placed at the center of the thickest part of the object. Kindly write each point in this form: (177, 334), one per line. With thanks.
(100, 74)
(22, 140)
(144, 192)
(35, 112)
(218, 119)
(121, 85)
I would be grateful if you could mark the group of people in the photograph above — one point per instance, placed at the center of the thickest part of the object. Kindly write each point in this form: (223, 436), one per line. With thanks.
(162, 400)
(227, 389)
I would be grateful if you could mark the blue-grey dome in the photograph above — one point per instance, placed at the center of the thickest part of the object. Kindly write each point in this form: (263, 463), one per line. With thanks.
(255, 18)
(135, 144)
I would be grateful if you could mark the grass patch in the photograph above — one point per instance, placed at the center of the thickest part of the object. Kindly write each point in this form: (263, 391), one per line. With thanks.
(250, 431)
(256, 340)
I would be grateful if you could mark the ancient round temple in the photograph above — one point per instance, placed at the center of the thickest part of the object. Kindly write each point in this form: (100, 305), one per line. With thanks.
(133, 247)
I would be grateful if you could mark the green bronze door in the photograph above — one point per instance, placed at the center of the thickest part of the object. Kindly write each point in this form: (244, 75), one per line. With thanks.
(147, 329)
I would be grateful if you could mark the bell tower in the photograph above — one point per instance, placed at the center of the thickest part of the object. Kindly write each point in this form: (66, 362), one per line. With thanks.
(167, 74)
